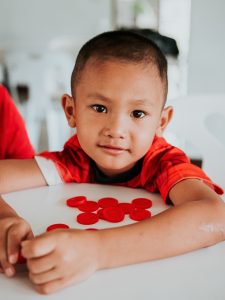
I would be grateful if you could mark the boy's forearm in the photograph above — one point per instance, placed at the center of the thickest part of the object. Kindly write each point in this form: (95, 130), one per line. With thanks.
(6, 210)
(18, 174)
(176, 231)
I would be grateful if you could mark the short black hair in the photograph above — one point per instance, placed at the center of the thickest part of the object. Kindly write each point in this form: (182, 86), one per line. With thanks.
(123, 45)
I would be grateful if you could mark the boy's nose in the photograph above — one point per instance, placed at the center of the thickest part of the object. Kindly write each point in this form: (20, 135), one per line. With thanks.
(116, 127)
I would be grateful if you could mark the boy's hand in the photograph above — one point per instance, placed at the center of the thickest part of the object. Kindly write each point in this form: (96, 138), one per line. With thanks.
(13, 231)
(61, 257)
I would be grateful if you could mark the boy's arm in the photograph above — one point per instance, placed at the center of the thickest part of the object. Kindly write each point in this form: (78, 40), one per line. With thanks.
(197, 220)
(15, 175)
(19, 174)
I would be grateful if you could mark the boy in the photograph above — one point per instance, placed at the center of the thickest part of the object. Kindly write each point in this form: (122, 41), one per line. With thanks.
(119, 88)
(14, 139)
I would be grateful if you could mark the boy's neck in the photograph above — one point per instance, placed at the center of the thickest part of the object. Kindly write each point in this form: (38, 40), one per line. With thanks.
(100, 177)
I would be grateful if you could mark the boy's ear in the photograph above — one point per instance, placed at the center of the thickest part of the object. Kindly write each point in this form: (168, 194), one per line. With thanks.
(69, 109)
(165, 118)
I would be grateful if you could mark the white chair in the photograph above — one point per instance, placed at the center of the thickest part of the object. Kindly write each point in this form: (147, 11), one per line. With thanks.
(47, 76)
(59, 66)
(27, 69)
(198, 128)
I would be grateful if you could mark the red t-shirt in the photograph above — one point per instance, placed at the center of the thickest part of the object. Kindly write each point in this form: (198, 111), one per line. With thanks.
(14, 139)
(163, 166)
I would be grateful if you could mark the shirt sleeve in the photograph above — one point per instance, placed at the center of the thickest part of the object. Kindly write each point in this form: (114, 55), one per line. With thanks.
(175, 167)
(48, 170)
(72, 164)
(15, 142)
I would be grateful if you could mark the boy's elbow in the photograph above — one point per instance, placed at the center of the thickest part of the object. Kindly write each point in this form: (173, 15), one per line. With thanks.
(216, 219)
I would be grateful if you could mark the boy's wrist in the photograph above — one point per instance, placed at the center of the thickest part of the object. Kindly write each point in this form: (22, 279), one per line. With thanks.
(6, 210)
(104, 250)
(96, 247)
(8, 214)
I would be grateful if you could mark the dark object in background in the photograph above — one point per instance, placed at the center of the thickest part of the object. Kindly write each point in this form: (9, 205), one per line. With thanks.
(196, 161)
(5, 80)
(166, 44)
(22, 92)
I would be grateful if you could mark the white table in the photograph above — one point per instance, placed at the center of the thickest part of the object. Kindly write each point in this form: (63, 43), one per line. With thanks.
(194, 276)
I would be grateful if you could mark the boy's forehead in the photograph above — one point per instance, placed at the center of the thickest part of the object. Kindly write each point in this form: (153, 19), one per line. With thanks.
(97, 66)
(98, 62)
(99, 76)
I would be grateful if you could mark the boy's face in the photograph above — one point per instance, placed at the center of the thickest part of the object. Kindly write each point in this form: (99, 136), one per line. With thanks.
(117, 112)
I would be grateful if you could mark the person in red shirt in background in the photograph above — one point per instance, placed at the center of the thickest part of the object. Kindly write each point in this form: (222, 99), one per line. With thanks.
(15, 142)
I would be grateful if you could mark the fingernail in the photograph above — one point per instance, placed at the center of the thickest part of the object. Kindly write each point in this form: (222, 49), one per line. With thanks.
(13, 258)
(9, 272)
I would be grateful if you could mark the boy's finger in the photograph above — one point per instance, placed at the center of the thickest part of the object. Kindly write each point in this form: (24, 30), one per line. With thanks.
(44, 277)
(1, 270)
(42, 264)
(39, 246)
(3, 247)
(8, 269)
(16, 234)
(30, 236)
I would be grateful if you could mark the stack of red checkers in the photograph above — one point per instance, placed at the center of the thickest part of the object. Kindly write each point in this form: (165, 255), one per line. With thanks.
(109, 209)
(112, 214)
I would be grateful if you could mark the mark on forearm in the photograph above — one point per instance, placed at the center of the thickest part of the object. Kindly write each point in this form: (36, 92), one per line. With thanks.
(212, 228)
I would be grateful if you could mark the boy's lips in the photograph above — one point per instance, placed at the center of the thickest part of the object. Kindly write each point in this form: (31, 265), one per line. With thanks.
(114, 150)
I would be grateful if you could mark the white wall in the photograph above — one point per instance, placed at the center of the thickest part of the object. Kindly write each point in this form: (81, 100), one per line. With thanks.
(207, 47)
(31, 23)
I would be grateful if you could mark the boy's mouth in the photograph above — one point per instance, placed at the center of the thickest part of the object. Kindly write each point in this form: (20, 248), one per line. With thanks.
(113, 150)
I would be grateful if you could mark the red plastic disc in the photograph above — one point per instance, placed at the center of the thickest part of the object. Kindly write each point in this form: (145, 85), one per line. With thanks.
(139, 214)
(100, 213)
(88, 206)
(126, 207)
(113, 214)
(75, 201)
(21, 259)
(142, 203)
(57, 226)
(107, 202)
(87, 218)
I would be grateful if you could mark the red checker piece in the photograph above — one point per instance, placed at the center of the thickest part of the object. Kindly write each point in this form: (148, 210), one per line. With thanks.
(21, 259)
(100, 213)
(75, 201)
(107, 202)
(87, 218)
(113, 214)
(142, 203)
(89, 206)
(139, 214)
(57, 226)
(126, 207)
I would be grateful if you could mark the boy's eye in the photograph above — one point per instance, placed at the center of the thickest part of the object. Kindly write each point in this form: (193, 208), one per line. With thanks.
(99, 108)
(138, 114)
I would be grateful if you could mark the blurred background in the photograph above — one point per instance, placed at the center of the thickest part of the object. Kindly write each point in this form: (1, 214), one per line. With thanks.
(39, 41)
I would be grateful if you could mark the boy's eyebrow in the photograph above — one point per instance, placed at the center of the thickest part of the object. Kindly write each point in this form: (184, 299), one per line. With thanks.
(104, 98)
(99, 96)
